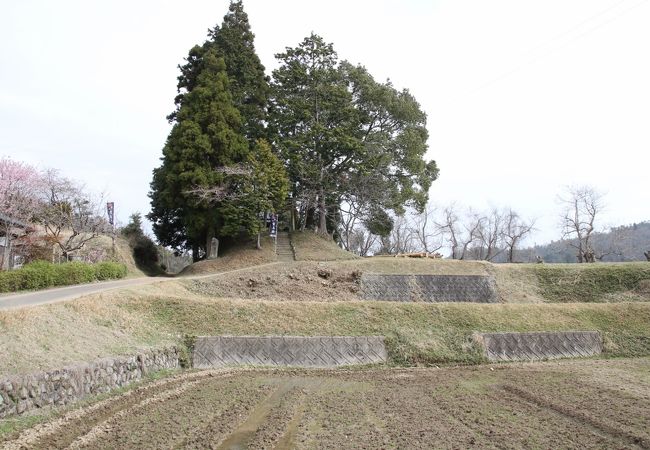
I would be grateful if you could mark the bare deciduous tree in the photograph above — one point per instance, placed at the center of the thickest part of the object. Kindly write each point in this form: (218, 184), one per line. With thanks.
(400, 239)
(69, 215)
(489, 234)
(449, 226)
(582, 205)
(362, 241)
(224, 191)
(459, 232)
(514, 231)
(427, 235)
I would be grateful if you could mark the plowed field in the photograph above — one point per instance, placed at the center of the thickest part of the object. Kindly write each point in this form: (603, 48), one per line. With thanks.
(567, 404)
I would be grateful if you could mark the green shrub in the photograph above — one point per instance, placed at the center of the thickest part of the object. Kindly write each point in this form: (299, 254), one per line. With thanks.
(109, 270)
(10, 281)
(43, 274)
(74, 273)
(37, 275)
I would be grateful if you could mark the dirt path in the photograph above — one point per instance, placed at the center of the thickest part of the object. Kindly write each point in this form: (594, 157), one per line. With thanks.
(569, 404)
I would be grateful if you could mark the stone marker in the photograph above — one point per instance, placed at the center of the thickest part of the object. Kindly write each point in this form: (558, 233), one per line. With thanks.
(214, 248)
(295, 351)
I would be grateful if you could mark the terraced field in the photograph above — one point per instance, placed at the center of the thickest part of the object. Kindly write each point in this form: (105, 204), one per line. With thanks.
(567, 404)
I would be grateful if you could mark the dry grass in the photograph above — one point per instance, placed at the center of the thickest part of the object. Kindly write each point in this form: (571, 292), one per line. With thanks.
(122, 322)
(313, 247)
(122, 253)
(404, 266)
(245, 255)
(51, 336)
(516, 283)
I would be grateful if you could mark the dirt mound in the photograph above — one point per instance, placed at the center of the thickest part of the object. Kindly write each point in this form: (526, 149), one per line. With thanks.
(244, 255)
(313, 247)
(304, 281)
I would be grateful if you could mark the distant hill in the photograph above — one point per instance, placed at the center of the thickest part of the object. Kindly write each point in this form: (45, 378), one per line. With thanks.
(624, 243)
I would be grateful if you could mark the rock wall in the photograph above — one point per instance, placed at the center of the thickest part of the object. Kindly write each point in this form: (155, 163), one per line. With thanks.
(428, 288)
(296, 351)
(21, 393)
(539, 346)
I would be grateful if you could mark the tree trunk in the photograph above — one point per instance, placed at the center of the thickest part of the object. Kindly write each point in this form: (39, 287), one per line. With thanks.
(322, 212)
(259, 243)
(6, 251)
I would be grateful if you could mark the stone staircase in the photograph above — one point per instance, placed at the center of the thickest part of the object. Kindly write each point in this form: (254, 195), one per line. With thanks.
(283, 249)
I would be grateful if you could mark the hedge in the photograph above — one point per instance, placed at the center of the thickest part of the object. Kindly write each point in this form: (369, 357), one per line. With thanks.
(43, 274)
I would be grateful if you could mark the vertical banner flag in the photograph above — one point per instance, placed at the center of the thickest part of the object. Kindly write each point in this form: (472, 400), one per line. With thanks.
(110, 209)
(274, 225)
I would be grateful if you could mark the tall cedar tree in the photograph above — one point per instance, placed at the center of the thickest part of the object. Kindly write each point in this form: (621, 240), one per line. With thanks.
(249, 86)
(347, 137)
(205, 138)
(185, 222)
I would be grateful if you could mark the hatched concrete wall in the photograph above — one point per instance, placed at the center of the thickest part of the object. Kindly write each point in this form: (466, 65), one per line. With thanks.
(297, 351)
(428, 288)
(539, 346)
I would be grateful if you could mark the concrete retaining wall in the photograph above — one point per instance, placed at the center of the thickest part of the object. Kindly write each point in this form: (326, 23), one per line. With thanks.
(538, 346)
(428, 288)
(21, 393)
(297, 351)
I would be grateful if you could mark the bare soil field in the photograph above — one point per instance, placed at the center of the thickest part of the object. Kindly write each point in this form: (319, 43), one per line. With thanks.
(567, 404)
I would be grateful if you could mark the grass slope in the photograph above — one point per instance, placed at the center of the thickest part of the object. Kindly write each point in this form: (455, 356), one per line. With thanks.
(313, 247)
(592, 282)
(122, 322)
(534, 298)
(245, 255)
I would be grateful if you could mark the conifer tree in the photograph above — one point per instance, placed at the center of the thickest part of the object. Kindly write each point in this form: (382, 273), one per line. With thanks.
(204, 140)
(204, 187)
(249, 85)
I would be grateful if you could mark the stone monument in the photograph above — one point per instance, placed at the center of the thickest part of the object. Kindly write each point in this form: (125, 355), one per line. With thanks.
(214, 248)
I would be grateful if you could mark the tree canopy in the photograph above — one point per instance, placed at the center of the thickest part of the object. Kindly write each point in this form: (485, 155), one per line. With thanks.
(205, 138)
(346, 137)
(324, 132)
(203, 187)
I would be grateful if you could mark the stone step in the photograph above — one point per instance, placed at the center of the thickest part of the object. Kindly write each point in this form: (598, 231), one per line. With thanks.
(283, 250)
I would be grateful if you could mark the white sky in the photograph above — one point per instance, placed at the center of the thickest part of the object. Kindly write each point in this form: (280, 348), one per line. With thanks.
(523, 97)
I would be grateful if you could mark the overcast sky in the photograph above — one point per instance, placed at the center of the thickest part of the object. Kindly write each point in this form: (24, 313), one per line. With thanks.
(523, 97)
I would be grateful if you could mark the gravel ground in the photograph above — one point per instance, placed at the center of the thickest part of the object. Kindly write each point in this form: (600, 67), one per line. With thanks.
(566, 404)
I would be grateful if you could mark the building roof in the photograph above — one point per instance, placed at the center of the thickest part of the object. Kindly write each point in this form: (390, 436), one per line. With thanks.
(15, 222)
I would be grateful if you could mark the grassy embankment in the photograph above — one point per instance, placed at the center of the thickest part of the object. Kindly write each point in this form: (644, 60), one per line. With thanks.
(120, 322)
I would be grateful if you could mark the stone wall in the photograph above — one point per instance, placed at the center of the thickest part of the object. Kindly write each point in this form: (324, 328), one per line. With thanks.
(428, 288)
(21, 393)
(295, 351)
(539, 346)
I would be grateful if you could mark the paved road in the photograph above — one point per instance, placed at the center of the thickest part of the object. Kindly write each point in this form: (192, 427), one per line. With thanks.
(71, 292)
